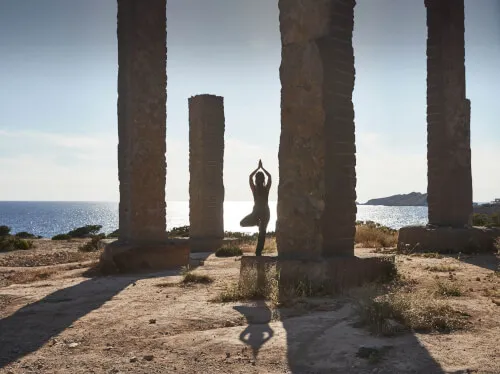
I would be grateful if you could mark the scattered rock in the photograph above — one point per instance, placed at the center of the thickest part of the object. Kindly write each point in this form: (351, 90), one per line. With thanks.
(73, 345)
(478, 279)
(496, 302)
(133, 359)
(152, 321)
(228, 354)
(148, 357)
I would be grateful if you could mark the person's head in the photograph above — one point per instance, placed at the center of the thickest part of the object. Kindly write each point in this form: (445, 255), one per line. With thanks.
(259, 178)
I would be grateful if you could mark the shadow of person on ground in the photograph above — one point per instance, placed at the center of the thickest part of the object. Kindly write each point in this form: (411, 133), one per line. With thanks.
(258, 332)
(32, 326)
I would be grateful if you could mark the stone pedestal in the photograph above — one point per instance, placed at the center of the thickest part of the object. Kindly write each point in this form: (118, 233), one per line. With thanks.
(447, 239)
(120, 257)
(206, 161)
(316, 192)
(142, 80)
(330, 275)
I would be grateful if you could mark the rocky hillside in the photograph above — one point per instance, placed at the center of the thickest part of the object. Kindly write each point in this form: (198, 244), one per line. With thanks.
(411, 199)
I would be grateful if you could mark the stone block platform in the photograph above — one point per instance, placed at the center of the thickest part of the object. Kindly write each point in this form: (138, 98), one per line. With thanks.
(333, 274)
(119, 257)
(447, 239)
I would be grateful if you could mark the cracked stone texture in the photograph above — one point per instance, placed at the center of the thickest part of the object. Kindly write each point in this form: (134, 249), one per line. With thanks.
(206, 160)
(448, 116)
(316, 192)
(142, 82)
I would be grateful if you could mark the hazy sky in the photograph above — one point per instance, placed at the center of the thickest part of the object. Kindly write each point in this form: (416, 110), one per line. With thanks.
(58, 91)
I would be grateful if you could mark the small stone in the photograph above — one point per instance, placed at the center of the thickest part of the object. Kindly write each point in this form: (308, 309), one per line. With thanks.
(133, 359)
(478, 279)
(152, 321)
(73, 345)
(108, 348)
(148, 357)
(228, 354)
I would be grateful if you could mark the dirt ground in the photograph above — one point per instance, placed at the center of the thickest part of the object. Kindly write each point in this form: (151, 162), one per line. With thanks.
(68, 322)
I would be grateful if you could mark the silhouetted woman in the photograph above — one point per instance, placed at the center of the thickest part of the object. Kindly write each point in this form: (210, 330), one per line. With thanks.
(260, 213)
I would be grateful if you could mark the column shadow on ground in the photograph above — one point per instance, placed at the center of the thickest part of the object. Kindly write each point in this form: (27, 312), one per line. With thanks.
(48, 317)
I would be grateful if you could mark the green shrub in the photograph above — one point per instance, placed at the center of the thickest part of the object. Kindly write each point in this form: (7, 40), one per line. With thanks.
(61, 237)
(114, 234)
(4, 230)
(181, 231)
(85, 231)
(25, 235)
(93, 244)
(229, 251)
(480, 219)
(11, 243)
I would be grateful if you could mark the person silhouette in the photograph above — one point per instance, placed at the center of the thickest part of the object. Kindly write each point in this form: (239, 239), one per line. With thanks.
(258, 332)
(260, 213)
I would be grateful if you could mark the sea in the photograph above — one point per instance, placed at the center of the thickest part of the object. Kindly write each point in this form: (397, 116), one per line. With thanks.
(47, 218)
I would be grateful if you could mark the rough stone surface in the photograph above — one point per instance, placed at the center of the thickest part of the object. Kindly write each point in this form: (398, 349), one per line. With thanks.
(119, 257)
(316, 192)
(339, 273)
(206, 159)
(448, 116)
(447, 239)
(142, 82)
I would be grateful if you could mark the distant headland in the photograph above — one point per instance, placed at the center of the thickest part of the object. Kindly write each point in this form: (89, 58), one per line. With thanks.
(411, 199)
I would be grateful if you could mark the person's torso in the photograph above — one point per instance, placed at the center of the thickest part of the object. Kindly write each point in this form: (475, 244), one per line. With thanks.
(260, 196)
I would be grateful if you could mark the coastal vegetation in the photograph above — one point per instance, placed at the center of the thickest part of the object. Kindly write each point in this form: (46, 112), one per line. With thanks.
(10, 242)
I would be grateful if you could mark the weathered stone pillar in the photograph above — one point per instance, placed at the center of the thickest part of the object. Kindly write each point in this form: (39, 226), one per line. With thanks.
(448, 116)
(206, 160)
(316, 192)
(142, 81)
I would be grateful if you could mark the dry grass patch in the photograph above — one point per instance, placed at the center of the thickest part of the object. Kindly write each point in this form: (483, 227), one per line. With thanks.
(442, 268)
(192, 278)
(373, 235)
(447, 289)
(406, 308)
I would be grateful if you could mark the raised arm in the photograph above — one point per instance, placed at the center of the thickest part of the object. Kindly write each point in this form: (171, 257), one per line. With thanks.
(250, 178)
(269, 179)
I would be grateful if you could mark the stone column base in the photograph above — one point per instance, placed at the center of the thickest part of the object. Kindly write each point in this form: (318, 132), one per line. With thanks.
(332, 275)
(120, 257)
(447, 239)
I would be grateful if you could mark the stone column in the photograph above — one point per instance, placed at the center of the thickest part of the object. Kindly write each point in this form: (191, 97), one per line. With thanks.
(448, 112)
(316, 192)
(142, 82)
(206, 160)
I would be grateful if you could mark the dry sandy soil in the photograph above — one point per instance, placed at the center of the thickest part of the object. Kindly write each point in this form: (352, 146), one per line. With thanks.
(67, 322)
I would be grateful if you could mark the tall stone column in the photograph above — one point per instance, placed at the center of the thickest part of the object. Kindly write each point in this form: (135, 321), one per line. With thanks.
(316, 192)
(206, 160)
(142, 82)
(448, 116)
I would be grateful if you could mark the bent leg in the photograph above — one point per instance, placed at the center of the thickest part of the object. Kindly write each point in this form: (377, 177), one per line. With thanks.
(250, 220)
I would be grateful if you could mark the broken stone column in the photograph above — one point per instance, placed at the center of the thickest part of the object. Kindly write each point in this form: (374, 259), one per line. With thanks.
(206, 160)
(142, 80)
(448, 113)
(316, 192)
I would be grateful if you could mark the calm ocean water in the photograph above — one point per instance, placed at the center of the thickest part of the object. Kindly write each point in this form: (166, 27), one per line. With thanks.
(50, 218)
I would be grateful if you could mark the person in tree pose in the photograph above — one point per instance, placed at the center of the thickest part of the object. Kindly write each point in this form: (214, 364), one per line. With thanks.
(260, 213)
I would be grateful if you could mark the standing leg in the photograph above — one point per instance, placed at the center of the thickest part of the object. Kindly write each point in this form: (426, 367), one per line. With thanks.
(264, 220)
